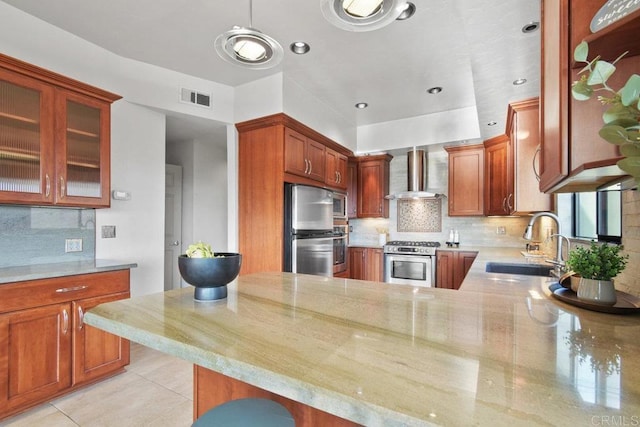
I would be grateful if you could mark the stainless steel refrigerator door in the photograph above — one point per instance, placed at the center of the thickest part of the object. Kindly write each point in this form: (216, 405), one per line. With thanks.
(313, 256)
(312, 208)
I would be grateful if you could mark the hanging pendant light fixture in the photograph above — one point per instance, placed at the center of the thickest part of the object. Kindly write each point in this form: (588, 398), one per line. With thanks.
(365, 15)
(249, 47)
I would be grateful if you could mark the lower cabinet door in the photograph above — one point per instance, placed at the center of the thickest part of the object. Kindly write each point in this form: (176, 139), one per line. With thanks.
(95, 352)
(35, 355)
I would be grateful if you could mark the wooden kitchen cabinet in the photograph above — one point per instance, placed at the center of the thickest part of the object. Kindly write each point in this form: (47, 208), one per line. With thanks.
(352, 189)
(58, 152)
(452, 267)
(303, 156)
(466, 180)
(264, 148)
(45, 348)
(573, 157)
(336, 170)
(498, 185)
(511, 162)
(373, 186)
(366, 263)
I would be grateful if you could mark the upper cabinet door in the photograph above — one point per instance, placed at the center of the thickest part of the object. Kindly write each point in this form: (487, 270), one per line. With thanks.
(54, 138)
(26, 140)
(82, 152)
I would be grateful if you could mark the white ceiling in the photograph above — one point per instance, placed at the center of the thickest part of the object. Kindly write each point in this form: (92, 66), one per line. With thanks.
(474, 49)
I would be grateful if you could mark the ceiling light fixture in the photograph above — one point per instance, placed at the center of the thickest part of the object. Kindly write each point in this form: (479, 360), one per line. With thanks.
(531, 27)
(363, 15)
(434, 90)
(408, 12)
(249, 47)
(519, 82)
(361, 105)
(299, 48)
(492, 123)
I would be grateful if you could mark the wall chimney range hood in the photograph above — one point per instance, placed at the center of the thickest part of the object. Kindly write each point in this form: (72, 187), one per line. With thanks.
(416, 178)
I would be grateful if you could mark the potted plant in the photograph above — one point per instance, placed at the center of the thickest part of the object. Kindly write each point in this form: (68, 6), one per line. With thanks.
(208, 271)
(597, 265)
(621, 119)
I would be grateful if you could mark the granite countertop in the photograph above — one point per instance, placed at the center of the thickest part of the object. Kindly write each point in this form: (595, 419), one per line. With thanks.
(394, 355)
(46, 271)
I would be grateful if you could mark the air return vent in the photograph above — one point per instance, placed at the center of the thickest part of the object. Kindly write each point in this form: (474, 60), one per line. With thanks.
(191, 96)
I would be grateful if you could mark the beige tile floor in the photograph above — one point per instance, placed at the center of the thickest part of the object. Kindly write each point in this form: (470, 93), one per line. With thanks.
(155, 390)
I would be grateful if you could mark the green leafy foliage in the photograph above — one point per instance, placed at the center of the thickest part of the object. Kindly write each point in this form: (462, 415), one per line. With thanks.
(598, 262)
(200, 250)
(622, 117)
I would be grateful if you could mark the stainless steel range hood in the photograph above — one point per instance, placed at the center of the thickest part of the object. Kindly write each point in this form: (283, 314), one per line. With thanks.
(416, 178)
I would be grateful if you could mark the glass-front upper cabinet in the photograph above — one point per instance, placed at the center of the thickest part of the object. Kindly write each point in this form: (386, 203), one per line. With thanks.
(26, 129)
(54, 138)
(82, 128)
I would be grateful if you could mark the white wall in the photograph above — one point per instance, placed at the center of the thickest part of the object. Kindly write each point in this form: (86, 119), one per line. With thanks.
(137, 150)
(430, 129)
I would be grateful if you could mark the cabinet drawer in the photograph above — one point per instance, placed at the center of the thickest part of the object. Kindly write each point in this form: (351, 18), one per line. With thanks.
(35, 293)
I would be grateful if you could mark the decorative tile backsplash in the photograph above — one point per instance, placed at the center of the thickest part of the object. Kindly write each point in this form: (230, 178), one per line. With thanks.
(420, 216)
(34, 235)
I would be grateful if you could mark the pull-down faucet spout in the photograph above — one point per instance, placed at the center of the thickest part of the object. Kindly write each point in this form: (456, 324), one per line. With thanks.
(529, 231)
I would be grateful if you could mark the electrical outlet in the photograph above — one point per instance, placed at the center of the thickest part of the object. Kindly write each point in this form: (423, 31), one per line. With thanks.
(73, 245)
(501, 230)
(108, 231)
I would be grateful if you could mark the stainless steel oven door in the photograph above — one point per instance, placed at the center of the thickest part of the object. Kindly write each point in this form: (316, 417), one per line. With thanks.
(313, 256)
(339, 254)
(416, 270)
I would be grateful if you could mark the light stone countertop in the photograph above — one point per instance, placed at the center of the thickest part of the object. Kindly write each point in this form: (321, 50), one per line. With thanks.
(46, 271)
(494, 353)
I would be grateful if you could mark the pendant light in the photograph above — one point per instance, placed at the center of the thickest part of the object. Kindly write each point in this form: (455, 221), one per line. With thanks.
(249, 47)
(365, 15)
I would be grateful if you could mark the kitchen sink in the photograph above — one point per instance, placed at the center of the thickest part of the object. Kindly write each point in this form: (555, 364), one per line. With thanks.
(517, 268)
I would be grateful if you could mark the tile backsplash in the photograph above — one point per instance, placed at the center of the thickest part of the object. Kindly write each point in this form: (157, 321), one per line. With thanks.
(35, 235)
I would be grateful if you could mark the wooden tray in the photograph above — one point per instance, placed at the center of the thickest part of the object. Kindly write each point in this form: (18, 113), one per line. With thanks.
(626, 304)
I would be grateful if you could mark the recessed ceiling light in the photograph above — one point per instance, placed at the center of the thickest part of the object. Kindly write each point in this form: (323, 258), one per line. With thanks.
(299, 48)
(362, 15)
(408, 12)
(434, 90)
(361, 105)
(492, 123)
(531, 27)
(519, 82)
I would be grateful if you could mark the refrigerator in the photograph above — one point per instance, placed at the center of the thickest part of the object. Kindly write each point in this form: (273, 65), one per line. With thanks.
(308, 229)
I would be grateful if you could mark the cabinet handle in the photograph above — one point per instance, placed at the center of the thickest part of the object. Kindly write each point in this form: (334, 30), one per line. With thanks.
(504, 204)
(339, 177)
(306, 166)
(535, 172)
(65, 321)
(509, 201)
(80, 318)
(310, 167)
(47, 187)
(71, 289)
(62, 187)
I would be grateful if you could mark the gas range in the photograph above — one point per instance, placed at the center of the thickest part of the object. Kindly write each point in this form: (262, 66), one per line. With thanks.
(411, 248)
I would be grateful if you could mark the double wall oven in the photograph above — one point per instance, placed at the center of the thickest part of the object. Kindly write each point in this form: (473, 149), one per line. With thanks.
(410, 263)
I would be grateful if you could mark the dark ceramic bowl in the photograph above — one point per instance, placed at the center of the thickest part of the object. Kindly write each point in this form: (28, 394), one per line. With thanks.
(210, 276)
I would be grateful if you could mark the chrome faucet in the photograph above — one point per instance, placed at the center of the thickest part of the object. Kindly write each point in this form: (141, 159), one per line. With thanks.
(558, 262)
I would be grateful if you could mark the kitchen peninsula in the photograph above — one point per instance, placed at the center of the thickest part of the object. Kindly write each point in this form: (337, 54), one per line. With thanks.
(384, 355)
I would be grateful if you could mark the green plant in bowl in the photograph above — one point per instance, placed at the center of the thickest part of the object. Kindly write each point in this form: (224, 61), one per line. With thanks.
(597, 262)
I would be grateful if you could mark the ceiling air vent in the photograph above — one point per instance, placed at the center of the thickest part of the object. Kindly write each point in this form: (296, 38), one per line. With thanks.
(191, 96)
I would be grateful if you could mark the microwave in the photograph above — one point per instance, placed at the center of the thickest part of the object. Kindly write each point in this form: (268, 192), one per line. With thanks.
(339, 205)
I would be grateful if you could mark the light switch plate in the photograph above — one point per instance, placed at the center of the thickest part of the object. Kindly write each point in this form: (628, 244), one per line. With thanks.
(108, 231)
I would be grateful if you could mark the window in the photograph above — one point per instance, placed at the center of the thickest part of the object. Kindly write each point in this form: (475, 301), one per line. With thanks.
(592, 215)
